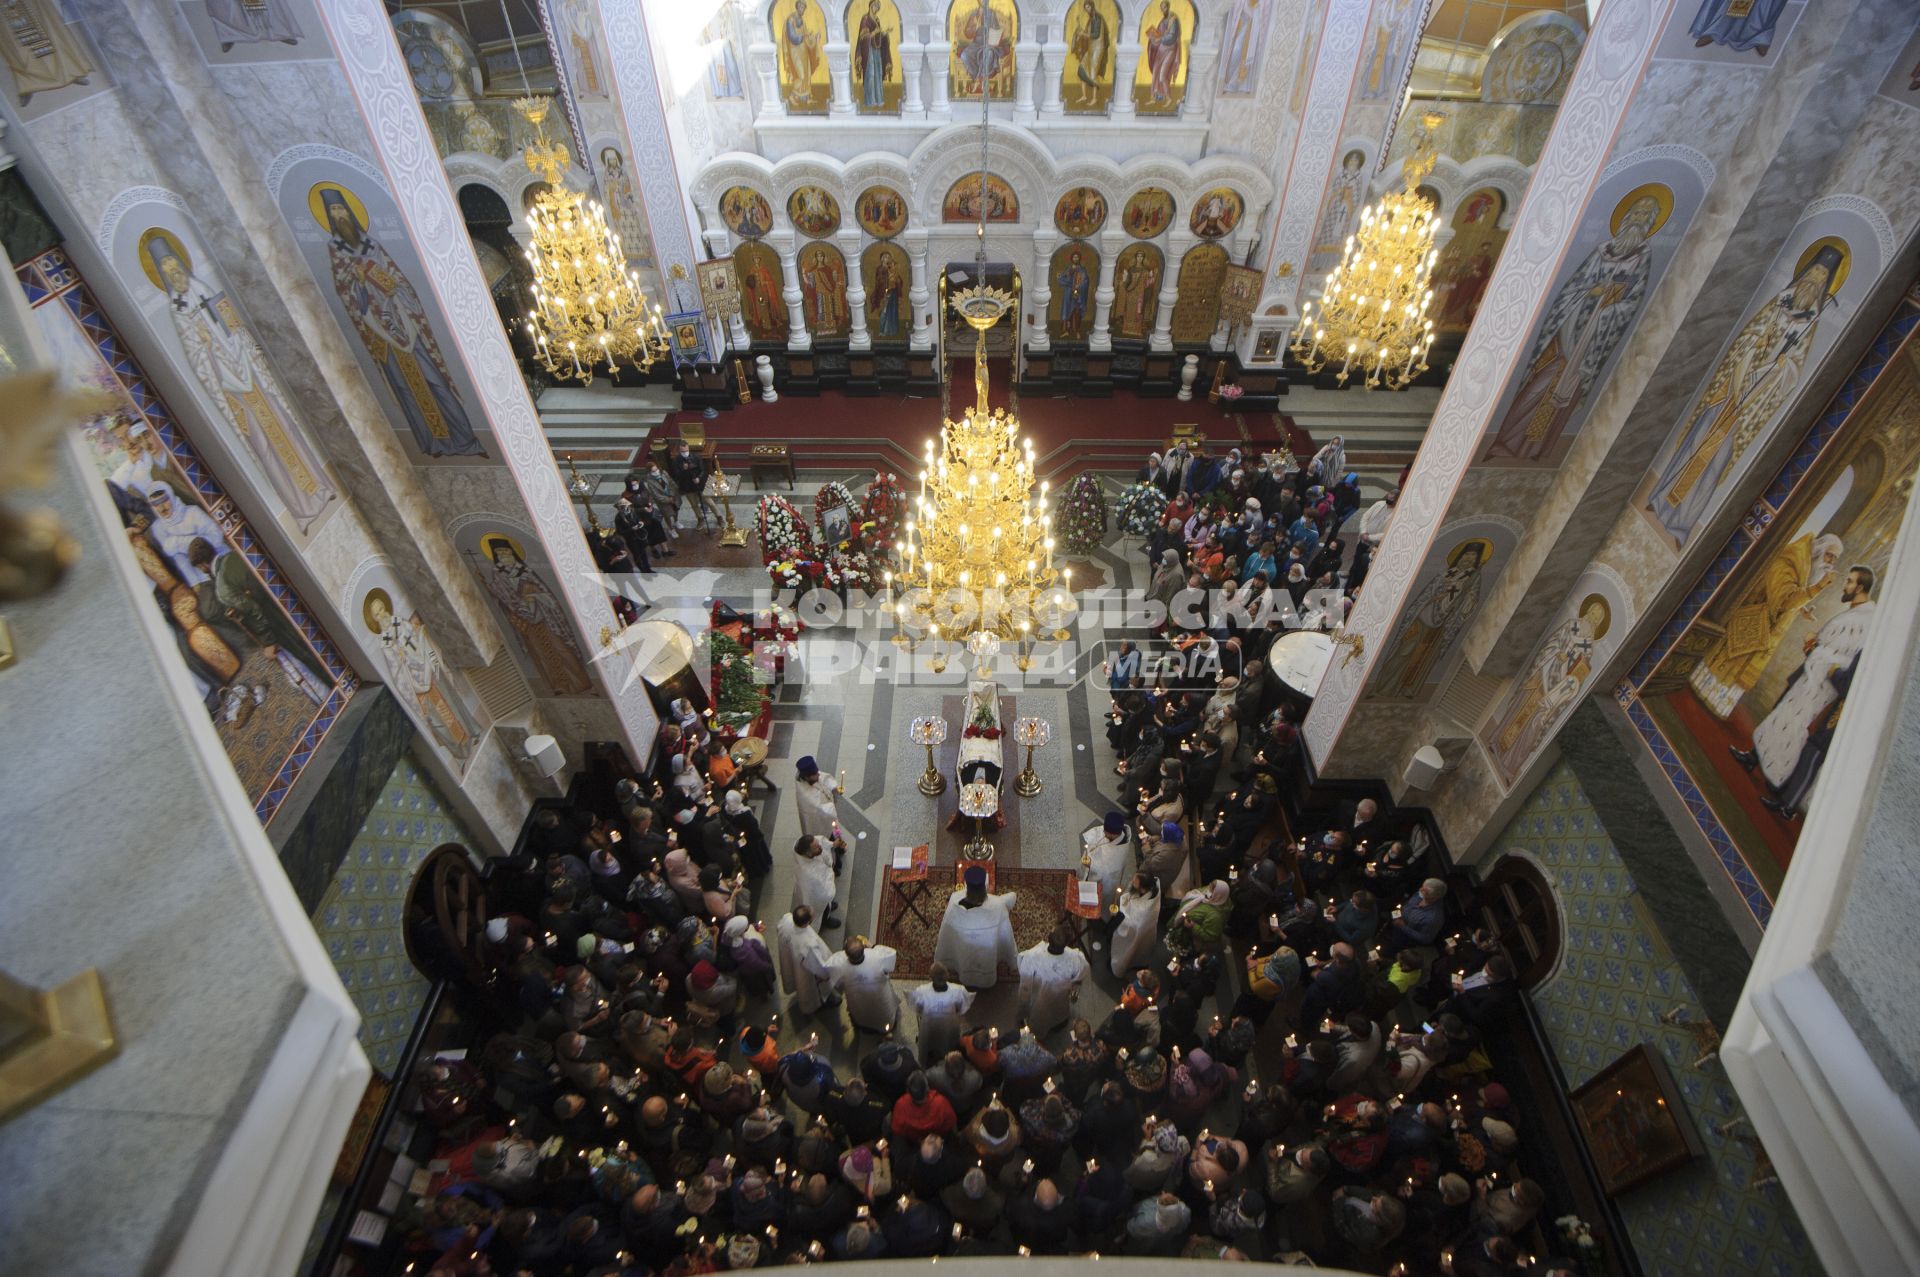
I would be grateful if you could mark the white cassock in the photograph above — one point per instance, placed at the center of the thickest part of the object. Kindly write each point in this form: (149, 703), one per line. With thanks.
(803, 957)
(1133, 938)
(813, 883)
(1782, 734)
(939, 1012)
(868, 987)
(818, 815)
(1049, 982)
(1108, 862)
(975, 943)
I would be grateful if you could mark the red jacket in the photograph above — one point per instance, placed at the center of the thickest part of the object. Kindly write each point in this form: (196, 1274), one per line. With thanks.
(914, 1121)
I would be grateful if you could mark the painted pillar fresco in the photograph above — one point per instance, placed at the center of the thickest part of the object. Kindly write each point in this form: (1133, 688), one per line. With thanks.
(1740, 692)
(271, 679)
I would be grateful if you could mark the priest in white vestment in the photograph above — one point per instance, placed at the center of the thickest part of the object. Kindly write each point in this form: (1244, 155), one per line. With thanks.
(863, 974)
(1783, 733)
(1107, 851)
(815, 792)
(1050, 979)
(938, 1005)
(802, 957)
(976, 935)
(813, 879)
(1139, 925)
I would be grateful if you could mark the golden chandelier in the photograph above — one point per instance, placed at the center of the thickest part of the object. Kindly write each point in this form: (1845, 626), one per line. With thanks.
(979, 547)
(588, 306)
(1373, 310)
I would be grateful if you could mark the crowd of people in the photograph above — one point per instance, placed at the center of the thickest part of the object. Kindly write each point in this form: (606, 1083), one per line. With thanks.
(1294, 1065)
(1237, 528)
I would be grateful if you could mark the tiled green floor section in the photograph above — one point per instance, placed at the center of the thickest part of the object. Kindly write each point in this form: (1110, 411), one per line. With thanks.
(359, 917)
(1616, 980)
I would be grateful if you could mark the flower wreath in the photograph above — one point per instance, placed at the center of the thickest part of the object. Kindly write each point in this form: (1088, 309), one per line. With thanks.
(1140, 510)
(783, 533)
(881, 513)
(1083, 515)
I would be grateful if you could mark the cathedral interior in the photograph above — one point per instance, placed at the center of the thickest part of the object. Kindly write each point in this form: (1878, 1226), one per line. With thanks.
(468, 447)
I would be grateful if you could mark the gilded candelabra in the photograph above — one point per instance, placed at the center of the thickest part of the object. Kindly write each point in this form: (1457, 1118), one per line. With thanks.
(1033, 733)
(1372, 312)
(720, 487)
(588, 306)
(929, 730)
(979, 547)
(979, 802)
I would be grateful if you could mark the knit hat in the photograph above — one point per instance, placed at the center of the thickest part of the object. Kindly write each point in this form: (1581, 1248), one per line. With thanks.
(1166, 1138)
(1499, 1134)
(807, 766)
(1115, 823)
(497, 927)
(1494, 1096)
(743, 1251)
(717, 1079)
(861, 1160)
(705, 974)
(975, 876)
(1171, 832)
(583, 947)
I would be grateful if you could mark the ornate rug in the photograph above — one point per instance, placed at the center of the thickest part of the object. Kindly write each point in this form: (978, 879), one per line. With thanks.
(1042, 903)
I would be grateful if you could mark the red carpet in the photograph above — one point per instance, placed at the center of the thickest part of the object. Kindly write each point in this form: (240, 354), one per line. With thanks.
(1042, 903)
(1069, 435)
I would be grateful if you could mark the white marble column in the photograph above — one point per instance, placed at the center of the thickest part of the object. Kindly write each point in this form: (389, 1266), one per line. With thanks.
(938, 55)
(1026, 64)
(1053, 62)
(1199, 99)
(919, 295)
(1040, 291)
(1126, 62)
(782, 242)
(848, 241)
(1111, 243)
(840, 71)
(913, 56)
(761, 58)
(1175, 248)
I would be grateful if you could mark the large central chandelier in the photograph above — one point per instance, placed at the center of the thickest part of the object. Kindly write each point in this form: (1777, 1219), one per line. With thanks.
(980, 544)
(1372, 315)
(979, 547)
(588, 306)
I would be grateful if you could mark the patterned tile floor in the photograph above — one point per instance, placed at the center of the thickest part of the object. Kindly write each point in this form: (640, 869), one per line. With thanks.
(359, 917)
(1617, 979)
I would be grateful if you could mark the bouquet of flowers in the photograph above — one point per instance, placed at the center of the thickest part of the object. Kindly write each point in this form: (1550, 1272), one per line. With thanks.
(1231, 391)
(737, 698)
(1140, 509)
(984, 725)
(880, 517)
(1083, 515)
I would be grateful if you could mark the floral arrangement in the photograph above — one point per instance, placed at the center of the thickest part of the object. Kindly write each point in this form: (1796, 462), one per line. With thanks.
(985, 724)
(738, 699)
(1231, 391)
(783, 533)
(1083, 515)
(881, 515)
(1140, 509)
